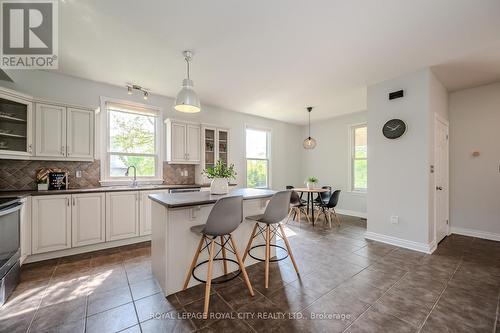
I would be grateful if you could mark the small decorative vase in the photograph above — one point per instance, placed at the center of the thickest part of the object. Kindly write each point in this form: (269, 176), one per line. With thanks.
(310, 185)
(219, 186)
(43, 187)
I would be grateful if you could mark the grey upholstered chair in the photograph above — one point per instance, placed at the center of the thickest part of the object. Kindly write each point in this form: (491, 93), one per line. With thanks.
(225, 216)
(268, 225)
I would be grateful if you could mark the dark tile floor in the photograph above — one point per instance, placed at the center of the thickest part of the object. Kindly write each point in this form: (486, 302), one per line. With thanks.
(346, 284)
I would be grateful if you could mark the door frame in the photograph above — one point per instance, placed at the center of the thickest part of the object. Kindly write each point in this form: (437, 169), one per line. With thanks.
(442, 120)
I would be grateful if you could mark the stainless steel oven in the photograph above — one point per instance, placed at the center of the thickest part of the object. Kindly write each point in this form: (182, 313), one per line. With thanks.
(10, 239)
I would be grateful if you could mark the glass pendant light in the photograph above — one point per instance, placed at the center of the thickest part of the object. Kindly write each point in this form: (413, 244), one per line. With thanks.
(187, 100)
(309, 143)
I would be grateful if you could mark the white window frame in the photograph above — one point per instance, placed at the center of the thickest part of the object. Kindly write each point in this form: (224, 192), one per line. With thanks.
(351, 158)
(268, 159)
(106, 180)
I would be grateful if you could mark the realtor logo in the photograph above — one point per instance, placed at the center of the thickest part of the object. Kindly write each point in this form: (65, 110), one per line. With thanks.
(29, 34)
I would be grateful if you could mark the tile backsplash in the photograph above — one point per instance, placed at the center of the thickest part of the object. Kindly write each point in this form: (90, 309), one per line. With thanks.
(21, 175)
(176, 173)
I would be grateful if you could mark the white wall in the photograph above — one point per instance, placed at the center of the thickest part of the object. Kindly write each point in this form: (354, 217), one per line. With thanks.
(286, 138)
(398, 170)
(329, 161)
(475, 181)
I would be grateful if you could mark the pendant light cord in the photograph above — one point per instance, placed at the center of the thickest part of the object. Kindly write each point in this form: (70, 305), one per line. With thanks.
(187, 61)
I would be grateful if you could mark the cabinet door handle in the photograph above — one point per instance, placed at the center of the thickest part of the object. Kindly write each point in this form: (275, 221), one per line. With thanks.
(30, 148)
(67, 202)
(62, 150)
(73, 201)
(67, 150)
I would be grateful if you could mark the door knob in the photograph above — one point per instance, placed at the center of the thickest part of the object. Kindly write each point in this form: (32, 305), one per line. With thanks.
(439, 188)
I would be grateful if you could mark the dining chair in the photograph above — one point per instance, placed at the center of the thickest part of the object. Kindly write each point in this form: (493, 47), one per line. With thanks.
(297, 207)
(328, 208)
(323, 197)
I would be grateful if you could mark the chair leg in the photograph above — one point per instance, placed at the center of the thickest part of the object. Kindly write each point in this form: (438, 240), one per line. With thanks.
(268, 254)
(209, 278)
(289, 249)
(336, 216)
(193, 263)
(249, 242)
(300, 217)
(307, 218)
(289, 215)
(223, 254)
(242, 267)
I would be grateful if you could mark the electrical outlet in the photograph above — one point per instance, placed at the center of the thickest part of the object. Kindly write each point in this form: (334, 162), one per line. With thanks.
(395, 219)
(78, 173)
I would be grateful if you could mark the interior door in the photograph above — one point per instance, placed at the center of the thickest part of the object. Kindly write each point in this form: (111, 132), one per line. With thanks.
(441, 177)
(50, 130)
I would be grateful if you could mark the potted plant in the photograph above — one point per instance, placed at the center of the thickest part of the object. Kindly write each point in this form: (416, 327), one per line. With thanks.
(42, 184)
(220, 175)
(311, 182)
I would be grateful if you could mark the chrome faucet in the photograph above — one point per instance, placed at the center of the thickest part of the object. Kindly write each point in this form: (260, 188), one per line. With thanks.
(134, 181)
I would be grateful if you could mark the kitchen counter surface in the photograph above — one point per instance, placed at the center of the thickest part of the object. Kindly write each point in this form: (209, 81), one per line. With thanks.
(179, 200)
(21, 194)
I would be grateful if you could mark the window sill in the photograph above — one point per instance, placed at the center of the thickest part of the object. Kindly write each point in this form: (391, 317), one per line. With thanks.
(125, 182)
(360, 193)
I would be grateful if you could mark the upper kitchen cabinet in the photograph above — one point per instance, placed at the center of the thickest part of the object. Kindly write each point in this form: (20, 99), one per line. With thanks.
(183, 142)
(64, 132)
(15, 125)
(215, 145)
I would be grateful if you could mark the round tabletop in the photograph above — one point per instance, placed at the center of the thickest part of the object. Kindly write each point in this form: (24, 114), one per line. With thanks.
(312, 190)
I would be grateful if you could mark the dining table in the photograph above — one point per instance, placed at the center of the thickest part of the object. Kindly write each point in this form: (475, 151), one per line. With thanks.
(310, 197)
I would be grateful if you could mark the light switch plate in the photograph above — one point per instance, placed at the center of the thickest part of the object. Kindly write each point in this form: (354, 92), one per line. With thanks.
(394, 219)
(78, 173)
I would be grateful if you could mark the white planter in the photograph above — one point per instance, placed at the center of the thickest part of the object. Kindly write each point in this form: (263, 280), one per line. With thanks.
(310, 186)
(219, 186)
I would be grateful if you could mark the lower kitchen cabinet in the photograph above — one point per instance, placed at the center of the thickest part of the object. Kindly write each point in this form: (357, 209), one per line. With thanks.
(122, 215)
(88, 218)
(145, 210)
(51, 223)
(25, 217)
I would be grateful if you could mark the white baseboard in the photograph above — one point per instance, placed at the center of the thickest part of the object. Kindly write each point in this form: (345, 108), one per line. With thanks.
(84, 249)
(351, 213)
(407, 244)
(475, 233)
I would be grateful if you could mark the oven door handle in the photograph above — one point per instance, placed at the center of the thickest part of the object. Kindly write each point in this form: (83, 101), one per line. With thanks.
(11, 209)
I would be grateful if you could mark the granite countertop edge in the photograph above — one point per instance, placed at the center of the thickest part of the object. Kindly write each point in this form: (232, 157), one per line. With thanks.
(183, 200)
(27, 193)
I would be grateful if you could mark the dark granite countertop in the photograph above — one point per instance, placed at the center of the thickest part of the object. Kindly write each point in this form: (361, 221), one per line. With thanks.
(20, 194)
(178, 200)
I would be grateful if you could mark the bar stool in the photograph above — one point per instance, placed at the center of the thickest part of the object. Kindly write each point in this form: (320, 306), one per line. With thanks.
(276, 211)
(224, 218)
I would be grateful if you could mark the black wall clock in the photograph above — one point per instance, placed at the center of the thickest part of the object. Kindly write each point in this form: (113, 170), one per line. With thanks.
(394, 128)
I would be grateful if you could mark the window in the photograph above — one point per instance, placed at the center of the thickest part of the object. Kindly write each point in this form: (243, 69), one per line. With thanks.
(132, 139)
(257, 155)
(359, 158)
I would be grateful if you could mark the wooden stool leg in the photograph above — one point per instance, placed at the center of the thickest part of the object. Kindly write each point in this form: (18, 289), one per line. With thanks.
(223, 254)
(268, 254)
(336, 216)
(193, 263)
(242, 267)
(300, 217)
(289, 215)
(289, 249)
(249, 242)
(308, 219)
(209, 278)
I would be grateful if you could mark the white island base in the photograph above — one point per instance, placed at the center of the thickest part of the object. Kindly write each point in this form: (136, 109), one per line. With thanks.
(173, 244)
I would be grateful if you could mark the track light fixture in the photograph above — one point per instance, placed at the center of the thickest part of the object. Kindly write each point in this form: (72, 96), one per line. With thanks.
(131, 87)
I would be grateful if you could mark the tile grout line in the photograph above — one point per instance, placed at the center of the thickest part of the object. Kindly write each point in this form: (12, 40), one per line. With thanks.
(132, 296)
(371, 305)
(41, 298)
(439, 297)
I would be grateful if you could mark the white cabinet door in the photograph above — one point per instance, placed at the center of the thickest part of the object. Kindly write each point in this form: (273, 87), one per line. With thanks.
(193, 141)
(80, 133)
(178, 142)
(51, 223)
(122, 215)
(145, 212)
(50, 130)
(25, 217)
(88, 218)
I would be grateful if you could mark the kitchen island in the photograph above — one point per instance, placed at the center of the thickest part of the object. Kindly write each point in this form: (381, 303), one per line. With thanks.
(173, 244)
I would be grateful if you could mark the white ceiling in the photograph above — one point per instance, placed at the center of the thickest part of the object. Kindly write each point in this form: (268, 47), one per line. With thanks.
(271, 58)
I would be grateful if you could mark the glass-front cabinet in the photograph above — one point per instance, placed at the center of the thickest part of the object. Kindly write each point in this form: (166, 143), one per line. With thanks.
(215, 146)
(15, 126)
